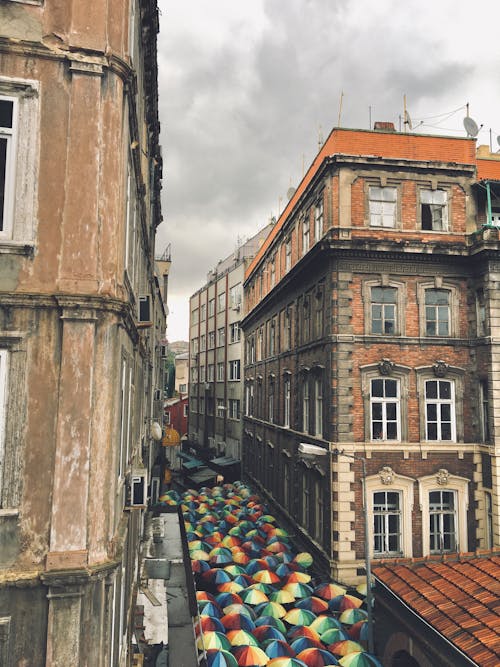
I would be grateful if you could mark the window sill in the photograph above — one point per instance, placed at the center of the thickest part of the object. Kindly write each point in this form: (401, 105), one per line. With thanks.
(9, 512)
(17, 248)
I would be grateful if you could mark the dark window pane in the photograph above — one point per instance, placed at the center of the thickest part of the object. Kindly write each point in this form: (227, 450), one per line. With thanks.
(392, 431)
(445, 390)
(377, 430)
(377, 388)
(377, 411)
(431, 431)
(446, 412)
(3, 162)
(391, 411)
(378, 499)
(446, 432)
(431, 389)
(6, 111)
(431, 412)
(389, 327)
(391, 388)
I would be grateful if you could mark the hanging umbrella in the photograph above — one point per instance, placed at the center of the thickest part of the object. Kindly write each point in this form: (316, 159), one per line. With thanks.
(207, 623)
(213, 639)
(299, 617)
(359, 631)
(283, 597)
(272, 561)
(317, 605)
(208, 608)
(302, 631)
(351, 616)
(250, 656)
(317, 657)
(282, 570)
(199, 554)
(323, 623)
(225, 599)
(255, 565)
(298, 590)
(237, 621)
(301, 643)
(300, 577)
(304, 559)
(360, 660)
(270, 620)
(271, 609)
(276, 648)
(241, 638)
(286, 662)
(253, 596)
(199, 566)
(343, 602)
(231, 541)
(240, 609)
(205, 595)
(268, 589)
(345, 646)
(229, 587)
(278, 547)
(333, 635)
(264, 632)
(220, 658)
(266, 577)
(220, 555)
(328, 591)
(216, 576)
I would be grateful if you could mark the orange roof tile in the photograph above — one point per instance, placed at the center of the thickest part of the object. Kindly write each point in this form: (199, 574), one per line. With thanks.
(460, 599)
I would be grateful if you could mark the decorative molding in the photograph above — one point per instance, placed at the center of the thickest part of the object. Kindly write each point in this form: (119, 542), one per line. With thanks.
(386, 367)
(440, 369)
(442, 477)
(386, 475)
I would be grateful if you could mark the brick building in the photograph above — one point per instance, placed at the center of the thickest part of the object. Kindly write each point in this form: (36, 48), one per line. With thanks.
(81, 319)
(371, 327)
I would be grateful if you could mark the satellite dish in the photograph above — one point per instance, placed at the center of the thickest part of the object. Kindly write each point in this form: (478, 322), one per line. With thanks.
(471, 126)
(290, 192)
(498, 139)
(156, 432)
(408, 120)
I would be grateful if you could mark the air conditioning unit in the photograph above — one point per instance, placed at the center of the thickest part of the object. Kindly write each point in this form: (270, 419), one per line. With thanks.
(137, 487)
(144, 310)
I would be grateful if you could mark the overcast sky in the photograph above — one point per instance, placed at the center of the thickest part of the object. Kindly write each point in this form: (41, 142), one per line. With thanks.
(246, 88)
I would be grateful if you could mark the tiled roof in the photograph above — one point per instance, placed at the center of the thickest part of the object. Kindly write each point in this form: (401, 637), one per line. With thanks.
(460, 599)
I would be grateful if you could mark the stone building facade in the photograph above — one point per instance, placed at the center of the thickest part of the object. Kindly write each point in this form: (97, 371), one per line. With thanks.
(216, 354)
(372, 327)
(81, 312)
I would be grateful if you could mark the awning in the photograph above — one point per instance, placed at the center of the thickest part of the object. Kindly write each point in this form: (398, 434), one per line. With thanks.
(225, 461)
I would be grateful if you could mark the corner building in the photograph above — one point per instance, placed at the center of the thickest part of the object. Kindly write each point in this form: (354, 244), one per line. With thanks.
(81, 316)
(372, 327)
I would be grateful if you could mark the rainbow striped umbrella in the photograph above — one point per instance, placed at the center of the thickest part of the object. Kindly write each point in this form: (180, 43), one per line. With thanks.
(270, 620)
(299, 617)
(276, 648)
(317, 605)
(283, 597)
(241, 638)
(333, 635)
(351, 616)
(359, 660)
(343, 602)
(234, 570)
(199, 554)
(207, 623)
(253, 596)
(216, 576)
(328, 591)
(271, 609)
(213, 639)
(240, 609)
(205, 595)
(300, 577)
(266, 577)
(298, 590)
(303, 631)
(200, 566)
(265, 632)
(317, 657)
(250, 656)
(208, 608)
(345, 646)
(286, 662)
(304, 559)
(237, 621)
(225, 599)
(359, 631)
(229, 587)
(220, 658)
(323, 623)
(301, 643)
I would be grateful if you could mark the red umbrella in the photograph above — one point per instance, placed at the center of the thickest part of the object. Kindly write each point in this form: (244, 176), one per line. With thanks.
(250, 656)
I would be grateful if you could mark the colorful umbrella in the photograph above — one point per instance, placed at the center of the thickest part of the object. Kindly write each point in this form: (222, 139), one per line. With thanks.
(241, 638)
(270, 620)
(317, 657)
(317, 605)
(283, 597)
(250, 656)
(199, 554)
(225, 599)
(207, 623)
(220, 658)
(205, 595)
(240, 609)
(265, 588)
(255, 565)
(264, 632)
(300, 577)
(286, 662)
(333, 635)
(345, 646)
(278, 547)
(323, 623)
(229, 586)
(266, 577)
(328, 591)
(282, 570)
(301, 643)
(359, 630)
(299, 617)
(234, 570)
(343, 602)
(216, 576)
(303, 631)
(351, 616)
(304, 559)
(276, 648)
(253, 596)
(220, 555)
(213, 639)
(237, 621)
(360, 660)
(298, 590)
(274, 609)
(208, 608)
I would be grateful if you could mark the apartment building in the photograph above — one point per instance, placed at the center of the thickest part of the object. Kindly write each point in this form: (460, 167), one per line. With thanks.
(216, 353)
(81, 316)
(371, 325)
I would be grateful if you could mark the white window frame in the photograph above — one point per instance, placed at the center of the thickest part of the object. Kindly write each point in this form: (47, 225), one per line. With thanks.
(305, 405)
(384, 516)
(221, 301)
(440, 402)
(305, 234)
(437, 200)
(384, 402)
(318, 407)
(220, 371)
(288, 255)
(442, 480)
(211, 340)
(202, 373)
(20, 206)
(249, 399)
(270, 399)
(234, 408)
(286, 401)
(235, 332)
(210, 372)
(382, 205)
(234, 370)
(318, 220)
(221, 408)
(221, 336)
(211, 307)
(436, 310)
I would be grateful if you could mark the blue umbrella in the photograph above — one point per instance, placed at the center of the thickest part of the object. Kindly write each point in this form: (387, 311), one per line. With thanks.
(276, 648)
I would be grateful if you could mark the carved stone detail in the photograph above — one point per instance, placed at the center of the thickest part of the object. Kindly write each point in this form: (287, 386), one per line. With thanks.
(386, 367)
(442, 477)
(440, 369)
(386, 475)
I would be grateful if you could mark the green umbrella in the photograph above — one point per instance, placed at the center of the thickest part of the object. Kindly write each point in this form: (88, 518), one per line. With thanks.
(351, 616)
(359, 660)
(299, 617)
(213, 639)
(241, 638)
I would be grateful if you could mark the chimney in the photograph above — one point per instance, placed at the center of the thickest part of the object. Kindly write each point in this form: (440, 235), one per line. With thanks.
(383, 126)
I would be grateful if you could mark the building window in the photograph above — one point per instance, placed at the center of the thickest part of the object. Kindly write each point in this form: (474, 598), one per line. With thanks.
(221, 301)
(287, 330)
(203, 342)
(272, 338)
(481, 313)
(167, 418)
(484, 411)
(387, 523)
(318, 408)
(382, 206)
(272, 274)
(318, 314)
(306, 500)
(210, 373)
(442, 521)
(203, 311)
(194, 374)
(306, 319)
(185, 411)
(211, 340)
(220, 371)
(234, 332)
(288, 255)
(194, 345)
(439, 410)
(211, 307)
(249, 399)
(383, 310)
(434, 210)
(221, 337)
(437, 312)
(305, 235)
(235, 296)
(194, 316)
(221, 408)
(234, 409)
(489, 520)
(182, 388)
(305, 406)
(286, 395)
(385, 409)
(318, 220)
(270, 399)
(18, 158)
(260, 344)
(201, 406)
(202, 373)
(234, 369)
